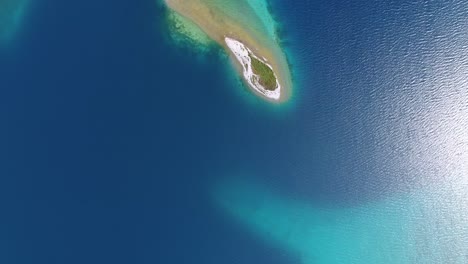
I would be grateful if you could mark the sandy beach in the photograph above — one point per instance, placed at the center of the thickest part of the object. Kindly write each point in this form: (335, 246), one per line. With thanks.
(218, 24)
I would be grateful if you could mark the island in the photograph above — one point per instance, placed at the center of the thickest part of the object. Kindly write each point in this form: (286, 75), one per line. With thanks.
(246, 30)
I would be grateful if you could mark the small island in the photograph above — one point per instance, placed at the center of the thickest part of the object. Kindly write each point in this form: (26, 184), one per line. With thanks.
(247, 33)
(258, 74)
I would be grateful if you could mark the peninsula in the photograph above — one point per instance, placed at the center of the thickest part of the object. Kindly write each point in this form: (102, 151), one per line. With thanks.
(245, 29)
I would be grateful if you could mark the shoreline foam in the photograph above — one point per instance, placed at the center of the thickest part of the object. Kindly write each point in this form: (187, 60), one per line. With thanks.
(237, 20)
(242, 54)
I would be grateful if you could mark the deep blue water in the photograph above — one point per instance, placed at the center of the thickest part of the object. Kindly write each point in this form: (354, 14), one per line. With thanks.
(110, 135)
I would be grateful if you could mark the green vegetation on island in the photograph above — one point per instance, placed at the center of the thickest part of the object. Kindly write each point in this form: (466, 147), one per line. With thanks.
(248, 22)
(266, 75)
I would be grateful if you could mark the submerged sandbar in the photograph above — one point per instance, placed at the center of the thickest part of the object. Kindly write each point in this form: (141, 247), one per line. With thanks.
(265, 70)
(11, 12)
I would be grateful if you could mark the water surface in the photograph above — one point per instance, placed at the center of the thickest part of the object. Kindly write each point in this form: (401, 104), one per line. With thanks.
(114, 139)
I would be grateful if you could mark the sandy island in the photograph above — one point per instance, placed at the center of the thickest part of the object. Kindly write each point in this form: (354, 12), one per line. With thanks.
(243, 55)
(243, 40)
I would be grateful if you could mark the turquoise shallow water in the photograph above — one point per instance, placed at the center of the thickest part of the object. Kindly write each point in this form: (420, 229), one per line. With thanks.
(109, 154)
(392, 186)
(11, 15)
(417, 227)
(254, 15)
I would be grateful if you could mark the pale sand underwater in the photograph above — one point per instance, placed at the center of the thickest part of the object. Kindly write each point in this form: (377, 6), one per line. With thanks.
(11, 15)
(404, 228)
(239, 20)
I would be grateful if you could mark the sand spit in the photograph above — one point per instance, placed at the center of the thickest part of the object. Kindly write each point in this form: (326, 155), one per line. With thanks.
(221, 21)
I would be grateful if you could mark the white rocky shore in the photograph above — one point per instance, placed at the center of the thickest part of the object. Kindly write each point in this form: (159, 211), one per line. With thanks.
(243, 54)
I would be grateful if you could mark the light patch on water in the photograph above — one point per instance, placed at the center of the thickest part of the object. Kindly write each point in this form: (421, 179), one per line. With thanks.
(254, 14)
(419, 227)
(11, 16)
(261, 10)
